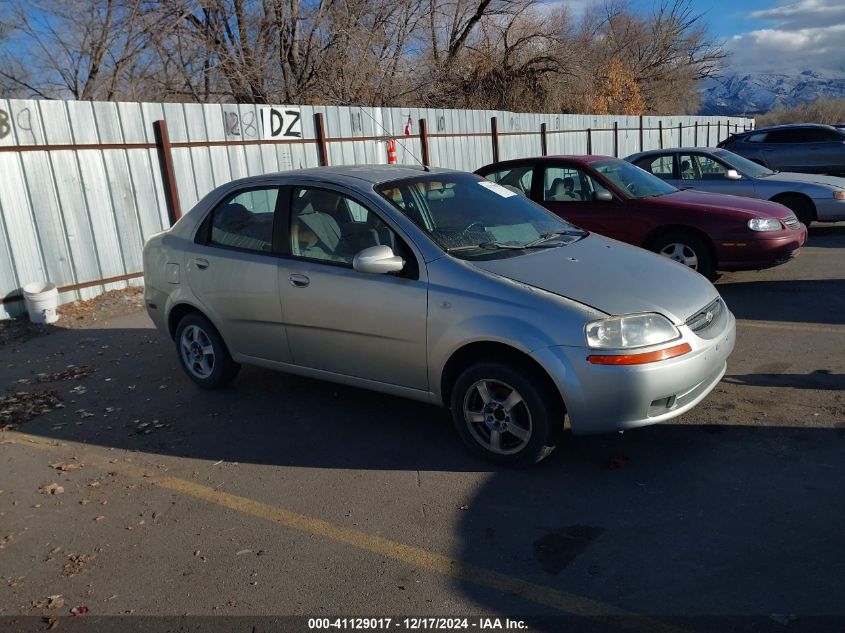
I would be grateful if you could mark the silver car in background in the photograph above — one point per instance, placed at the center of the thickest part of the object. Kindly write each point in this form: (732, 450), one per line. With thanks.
(810, 196)
(442, 287)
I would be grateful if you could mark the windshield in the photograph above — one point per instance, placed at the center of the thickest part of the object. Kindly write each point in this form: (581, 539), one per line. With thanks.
(471, 217)
(744, 165)
(633, 181)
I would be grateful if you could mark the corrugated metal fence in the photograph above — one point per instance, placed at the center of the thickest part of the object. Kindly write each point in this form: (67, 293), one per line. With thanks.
(83, 184)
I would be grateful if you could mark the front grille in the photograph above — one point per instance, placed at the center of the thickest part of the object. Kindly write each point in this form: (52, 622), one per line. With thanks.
(792, 222)
(707, 317)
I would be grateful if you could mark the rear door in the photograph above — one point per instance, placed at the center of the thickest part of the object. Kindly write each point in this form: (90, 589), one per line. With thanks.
(232, 269)
(826, 150)
(664, 166)
(569, 191)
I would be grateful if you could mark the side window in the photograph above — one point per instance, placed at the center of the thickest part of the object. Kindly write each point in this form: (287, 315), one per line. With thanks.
(757, 138)
(709, 168)
(563, 184)
(689, 169)
(662, 166)
(329, 226)
(517, 179)
(820, 135)
(790, 135)
(245, 220)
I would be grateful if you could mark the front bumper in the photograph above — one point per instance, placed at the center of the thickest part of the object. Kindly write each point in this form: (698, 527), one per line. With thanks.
(756, 251)
(602, 398)
(829, 209)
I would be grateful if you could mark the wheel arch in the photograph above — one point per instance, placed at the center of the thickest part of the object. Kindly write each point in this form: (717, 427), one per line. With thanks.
(179, 312)
(665, 229)
(795, 195)
(493, 351)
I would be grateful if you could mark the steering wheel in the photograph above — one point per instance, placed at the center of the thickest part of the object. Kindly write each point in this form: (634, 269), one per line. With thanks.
(632, 187)
(476, 223)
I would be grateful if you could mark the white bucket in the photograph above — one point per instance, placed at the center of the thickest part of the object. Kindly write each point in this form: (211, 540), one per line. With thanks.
(42, 299)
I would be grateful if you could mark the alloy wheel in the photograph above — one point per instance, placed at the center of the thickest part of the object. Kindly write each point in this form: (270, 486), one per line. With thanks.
(497, 417)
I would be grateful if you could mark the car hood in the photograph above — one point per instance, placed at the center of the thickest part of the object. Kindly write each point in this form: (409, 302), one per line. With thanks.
(720, 202)
(610, 276)
(811, 179)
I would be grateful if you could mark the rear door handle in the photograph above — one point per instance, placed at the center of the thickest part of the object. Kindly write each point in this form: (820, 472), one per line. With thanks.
(300, 281)
(200, 263)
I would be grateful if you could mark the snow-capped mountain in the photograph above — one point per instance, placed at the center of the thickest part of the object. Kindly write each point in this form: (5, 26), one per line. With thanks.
(738, 93)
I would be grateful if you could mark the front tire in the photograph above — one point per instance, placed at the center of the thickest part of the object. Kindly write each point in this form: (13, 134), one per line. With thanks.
(688, 249)
(504, 416)
(203, 354)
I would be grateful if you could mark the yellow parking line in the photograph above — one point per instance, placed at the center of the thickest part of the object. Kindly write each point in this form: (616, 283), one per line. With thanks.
(795, 327)
(418, 557)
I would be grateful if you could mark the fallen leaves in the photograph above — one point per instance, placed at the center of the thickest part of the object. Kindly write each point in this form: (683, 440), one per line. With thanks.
(22, 406)
(50, 602)
(75, 564)
(65, 466)
(72, 372)
(51, 489)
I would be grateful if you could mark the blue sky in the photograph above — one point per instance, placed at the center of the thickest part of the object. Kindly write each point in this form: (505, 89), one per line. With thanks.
(776, 35)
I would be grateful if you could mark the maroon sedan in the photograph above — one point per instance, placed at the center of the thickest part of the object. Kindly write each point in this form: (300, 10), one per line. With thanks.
(705, 231)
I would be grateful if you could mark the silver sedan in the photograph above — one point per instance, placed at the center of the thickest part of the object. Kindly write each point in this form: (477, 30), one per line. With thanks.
(442, 287)
(810, 196)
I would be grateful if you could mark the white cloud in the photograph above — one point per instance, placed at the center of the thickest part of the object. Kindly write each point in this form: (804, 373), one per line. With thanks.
(805, 35)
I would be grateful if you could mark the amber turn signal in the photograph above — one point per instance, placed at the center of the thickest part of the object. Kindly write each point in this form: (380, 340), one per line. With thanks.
(639, 359)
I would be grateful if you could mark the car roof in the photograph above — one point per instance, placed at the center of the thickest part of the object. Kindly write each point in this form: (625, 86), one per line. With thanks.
(668, 150)
(583, 159)
(787, 126)
(354, 175)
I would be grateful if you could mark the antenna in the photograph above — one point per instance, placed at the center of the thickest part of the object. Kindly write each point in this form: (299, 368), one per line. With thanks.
(401, 144)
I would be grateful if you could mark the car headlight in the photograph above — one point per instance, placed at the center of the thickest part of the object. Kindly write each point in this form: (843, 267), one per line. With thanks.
(764, 224)
(632, 330)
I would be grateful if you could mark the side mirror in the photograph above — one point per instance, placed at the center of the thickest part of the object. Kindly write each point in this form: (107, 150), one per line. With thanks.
(733, 174)
(602, 195)
(378, 260)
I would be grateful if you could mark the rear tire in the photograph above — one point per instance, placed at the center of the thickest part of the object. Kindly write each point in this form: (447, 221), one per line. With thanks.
(803, 209)
(688, 249)
(203, 354)
(505, 415)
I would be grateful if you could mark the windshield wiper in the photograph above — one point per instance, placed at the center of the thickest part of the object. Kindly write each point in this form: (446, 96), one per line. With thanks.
(541, 242)
(547, 237)
(482, 245)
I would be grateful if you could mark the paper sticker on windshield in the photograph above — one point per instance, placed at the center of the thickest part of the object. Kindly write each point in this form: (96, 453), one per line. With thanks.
(497, 188)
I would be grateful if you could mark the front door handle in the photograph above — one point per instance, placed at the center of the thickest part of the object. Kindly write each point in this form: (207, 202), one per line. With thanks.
(300, 281)
(200, 263)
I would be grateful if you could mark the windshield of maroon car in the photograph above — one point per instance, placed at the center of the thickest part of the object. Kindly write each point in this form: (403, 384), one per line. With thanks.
(462, 211)
(632, 181)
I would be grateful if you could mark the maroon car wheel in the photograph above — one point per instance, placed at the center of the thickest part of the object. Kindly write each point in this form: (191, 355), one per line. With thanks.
(686, 248)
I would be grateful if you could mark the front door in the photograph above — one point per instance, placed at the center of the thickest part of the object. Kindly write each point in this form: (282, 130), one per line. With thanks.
(705, 173)
(232, 270)
(370, 326)
(569, 192)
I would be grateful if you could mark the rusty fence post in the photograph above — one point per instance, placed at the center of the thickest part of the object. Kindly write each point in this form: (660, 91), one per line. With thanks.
(616, 139)
(320, 129)
(424, 142)
(589, 140)
(642, 143)
(718, 132)
(708, 134)
(680, 134)
(544, 144)
(660, 133)
(695, 134)
(168, 174)
(494, 135)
